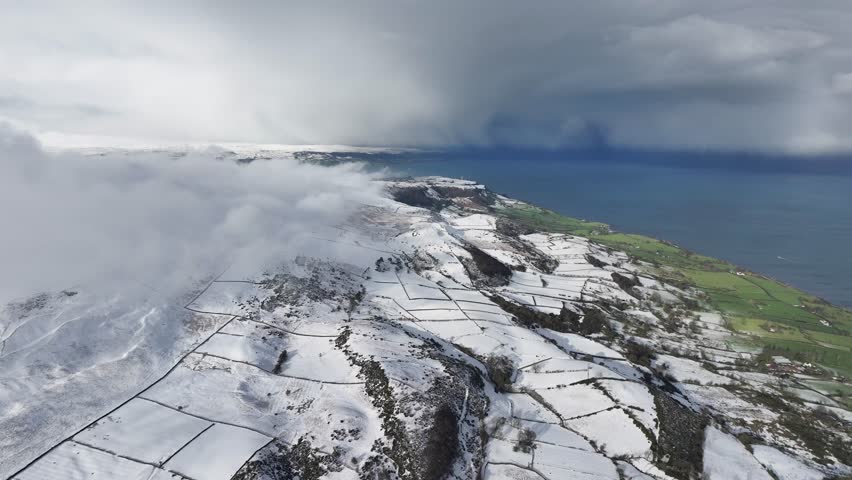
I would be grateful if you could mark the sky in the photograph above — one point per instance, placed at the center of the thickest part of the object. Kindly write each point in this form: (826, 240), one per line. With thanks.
(728, 75)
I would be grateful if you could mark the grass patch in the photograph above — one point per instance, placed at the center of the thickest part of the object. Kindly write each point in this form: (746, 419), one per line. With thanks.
(548, 220)
(839, 391)
(766, 329)
(832, 358)
(754, 305)
(843, 342)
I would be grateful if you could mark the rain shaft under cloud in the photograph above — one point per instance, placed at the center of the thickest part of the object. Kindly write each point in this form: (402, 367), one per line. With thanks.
(675, 74)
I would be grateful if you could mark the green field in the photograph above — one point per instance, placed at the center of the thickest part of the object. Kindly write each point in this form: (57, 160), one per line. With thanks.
(754, 305)
(839, 392)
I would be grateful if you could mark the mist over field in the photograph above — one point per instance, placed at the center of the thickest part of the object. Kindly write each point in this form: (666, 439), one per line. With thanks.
(153, 219)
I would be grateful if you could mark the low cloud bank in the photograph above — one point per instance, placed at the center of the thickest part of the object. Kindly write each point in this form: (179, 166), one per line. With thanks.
(155, 220)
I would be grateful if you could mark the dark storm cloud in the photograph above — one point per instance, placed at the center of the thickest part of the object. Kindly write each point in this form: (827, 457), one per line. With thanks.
(729, 74)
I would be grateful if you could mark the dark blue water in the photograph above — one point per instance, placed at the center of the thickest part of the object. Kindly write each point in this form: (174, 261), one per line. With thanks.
(796, 227)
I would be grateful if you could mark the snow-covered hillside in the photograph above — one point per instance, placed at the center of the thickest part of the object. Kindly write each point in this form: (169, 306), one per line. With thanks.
(456, 344)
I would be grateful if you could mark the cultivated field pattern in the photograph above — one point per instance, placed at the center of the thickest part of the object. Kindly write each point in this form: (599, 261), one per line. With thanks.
(459, 343)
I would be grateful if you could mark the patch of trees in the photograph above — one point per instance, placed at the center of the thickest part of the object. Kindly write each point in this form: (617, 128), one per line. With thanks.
(282, 357)
(533, 318)
(526, 440)
(479, 196)
(488, 266)
(512, 229)
(690, 303)
(355, 299)
(593, 320)
(595, 262)
(442, 444)
(624, 282)
(500, 370)
(281, 461)
(383, 265)
(670, 322)
(639, 353)
(417, 197)
(680, 442)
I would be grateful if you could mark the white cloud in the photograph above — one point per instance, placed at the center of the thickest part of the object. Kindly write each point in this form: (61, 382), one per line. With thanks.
(842, 83)
(434, 73)
(705, 41)
(109, 220)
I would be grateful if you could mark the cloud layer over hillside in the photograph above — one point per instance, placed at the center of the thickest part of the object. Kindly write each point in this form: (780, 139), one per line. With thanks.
(154, 221)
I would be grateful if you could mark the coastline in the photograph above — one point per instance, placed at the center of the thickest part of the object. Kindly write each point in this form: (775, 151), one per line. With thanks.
(747, 218)
(774, 322)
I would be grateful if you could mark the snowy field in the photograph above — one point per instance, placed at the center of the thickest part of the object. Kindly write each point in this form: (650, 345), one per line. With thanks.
(343, 354)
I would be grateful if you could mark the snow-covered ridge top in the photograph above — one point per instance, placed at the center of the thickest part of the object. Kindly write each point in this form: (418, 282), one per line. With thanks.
(435, 181)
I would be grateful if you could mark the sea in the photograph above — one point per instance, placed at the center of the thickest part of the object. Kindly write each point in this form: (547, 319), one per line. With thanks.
(792, 224)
